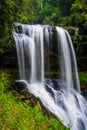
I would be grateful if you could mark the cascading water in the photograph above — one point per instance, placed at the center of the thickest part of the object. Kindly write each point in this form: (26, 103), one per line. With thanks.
(63, 99)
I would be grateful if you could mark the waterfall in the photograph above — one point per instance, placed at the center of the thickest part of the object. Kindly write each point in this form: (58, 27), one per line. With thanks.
(61, 96)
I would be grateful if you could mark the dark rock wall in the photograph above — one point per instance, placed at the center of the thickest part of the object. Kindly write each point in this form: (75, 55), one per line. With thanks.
(80, 46)
(8, 59)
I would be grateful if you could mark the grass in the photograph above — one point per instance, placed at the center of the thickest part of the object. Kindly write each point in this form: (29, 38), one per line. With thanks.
(16, 114)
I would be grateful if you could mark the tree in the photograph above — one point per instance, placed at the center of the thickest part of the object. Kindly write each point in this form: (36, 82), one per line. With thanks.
(79, 14)
(77, 17)
(7, 9)
(65, 6)
(15, 11)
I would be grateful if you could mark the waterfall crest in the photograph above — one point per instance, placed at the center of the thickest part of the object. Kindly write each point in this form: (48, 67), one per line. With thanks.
(61, 96)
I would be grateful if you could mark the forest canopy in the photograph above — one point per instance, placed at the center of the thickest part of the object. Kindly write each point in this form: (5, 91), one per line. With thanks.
(53, 12)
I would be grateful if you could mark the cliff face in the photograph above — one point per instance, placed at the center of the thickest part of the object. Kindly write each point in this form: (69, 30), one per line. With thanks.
(8, 59)
(80, 46)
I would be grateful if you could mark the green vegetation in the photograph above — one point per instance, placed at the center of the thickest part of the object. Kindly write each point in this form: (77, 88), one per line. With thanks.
(58, 12)
(83, 78)
(16, 114)
(65, 13)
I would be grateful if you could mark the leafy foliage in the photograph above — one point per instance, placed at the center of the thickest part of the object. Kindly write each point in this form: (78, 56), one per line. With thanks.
(77, 17)
(63, 13)
(83, 78)
(19, 115)
(6, 80)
